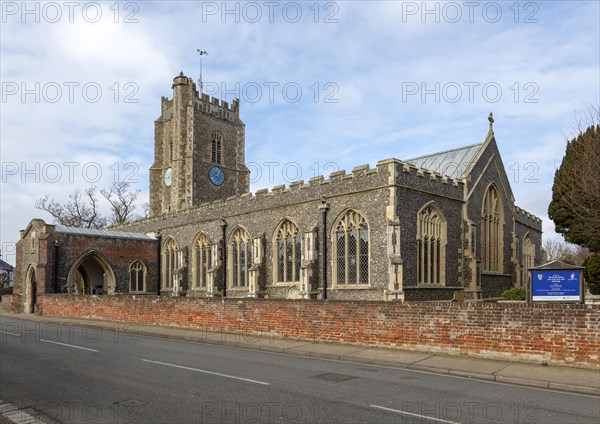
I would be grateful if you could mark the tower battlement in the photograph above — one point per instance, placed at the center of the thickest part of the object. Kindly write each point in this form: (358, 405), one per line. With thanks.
(217, 107)
(186, 88)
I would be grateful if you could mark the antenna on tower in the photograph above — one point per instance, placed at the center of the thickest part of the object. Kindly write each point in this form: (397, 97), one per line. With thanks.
(201, 53)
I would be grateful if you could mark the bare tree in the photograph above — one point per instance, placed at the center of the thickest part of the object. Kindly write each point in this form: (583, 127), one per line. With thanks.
(557, 250)
(122, 201)
(80, 211)
(554, 249)
(4, 279)
(146, 209)
(581, 254)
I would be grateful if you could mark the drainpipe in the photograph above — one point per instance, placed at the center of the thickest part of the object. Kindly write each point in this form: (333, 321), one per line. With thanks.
(158, 249)
(323, 207)
(224, 254)
(55, 273)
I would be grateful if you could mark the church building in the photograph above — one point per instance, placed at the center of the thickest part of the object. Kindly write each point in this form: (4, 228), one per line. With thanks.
(437, 227)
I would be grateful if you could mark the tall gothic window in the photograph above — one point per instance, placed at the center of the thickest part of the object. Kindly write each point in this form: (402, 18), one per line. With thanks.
(431, 246)
(528, 256)
(351, 249)
(201, 261)
(217, 144)
(240, 254)
(289, 253)
(170, 260)
(137, 277)
(491, 231)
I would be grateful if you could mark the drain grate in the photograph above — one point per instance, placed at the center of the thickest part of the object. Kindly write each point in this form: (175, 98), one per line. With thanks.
(336, 378)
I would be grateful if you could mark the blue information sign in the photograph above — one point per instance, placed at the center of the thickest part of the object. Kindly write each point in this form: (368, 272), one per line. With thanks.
(556, 285)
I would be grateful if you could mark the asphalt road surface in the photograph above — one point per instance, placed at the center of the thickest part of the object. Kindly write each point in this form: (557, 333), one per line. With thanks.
(53, 373)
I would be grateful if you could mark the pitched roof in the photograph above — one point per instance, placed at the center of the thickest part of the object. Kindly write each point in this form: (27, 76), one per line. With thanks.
(556, 265)
(453, 163)
(6, 266)
(103, 233)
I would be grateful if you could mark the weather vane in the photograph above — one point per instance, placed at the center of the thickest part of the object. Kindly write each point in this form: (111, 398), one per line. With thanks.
(201, 53)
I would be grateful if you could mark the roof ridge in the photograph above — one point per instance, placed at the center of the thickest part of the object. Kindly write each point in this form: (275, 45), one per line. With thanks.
(444, 151)
(64, 229)
(454, 162)
(5, 264)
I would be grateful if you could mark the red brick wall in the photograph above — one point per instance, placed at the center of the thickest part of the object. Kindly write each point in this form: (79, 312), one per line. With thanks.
(557, 334)
(7, 303)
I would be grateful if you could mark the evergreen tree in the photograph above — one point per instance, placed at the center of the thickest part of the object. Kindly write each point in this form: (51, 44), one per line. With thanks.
(575, 205)
(591, 273)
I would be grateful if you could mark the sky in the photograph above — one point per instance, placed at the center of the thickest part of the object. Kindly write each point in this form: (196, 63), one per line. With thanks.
(323, 86)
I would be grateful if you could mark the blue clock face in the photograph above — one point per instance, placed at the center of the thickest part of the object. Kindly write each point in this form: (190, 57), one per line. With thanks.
(216, 175)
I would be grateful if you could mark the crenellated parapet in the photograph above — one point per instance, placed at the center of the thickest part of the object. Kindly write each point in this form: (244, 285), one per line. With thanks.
(339, 183)
(201, 102)
(413, 177)
(361, 178)
(216, 107)
(165, 104)
(528, 218)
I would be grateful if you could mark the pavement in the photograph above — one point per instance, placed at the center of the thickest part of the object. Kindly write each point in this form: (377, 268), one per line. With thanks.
(561, 378)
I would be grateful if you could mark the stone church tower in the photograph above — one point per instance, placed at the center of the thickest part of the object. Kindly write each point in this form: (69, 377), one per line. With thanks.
(198, 152)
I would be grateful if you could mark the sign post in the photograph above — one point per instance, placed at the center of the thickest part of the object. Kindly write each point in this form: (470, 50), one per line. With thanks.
(556, 282)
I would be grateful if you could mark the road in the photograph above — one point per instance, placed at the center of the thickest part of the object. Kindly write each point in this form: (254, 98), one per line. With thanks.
(79, 374)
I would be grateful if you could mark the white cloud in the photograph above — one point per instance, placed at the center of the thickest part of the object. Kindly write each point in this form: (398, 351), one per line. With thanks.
(371, 53)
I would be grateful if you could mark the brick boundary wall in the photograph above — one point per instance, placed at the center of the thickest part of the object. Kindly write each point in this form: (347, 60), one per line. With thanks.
(561, 334)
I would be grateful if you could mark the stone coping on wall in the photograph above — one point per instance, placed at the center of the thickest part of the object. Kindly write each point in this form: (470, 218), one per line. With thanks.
(218, 299)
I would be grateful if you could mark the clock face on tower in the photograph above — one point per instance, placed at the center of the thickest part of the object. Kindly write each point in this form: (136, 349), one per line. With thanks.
(216, 175)
(168, 174)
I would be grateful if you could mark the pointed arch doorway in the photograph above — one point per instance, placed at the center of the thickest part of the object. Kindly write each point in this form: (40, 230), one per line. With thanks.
(30, 291)
(91, 274)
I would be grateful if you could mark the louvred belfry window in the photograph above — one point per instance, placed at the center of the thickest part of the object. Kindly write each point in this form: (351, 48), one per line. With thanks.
(217, 145)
